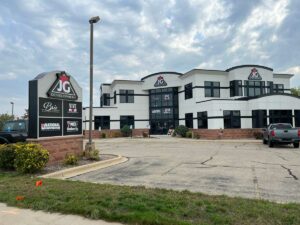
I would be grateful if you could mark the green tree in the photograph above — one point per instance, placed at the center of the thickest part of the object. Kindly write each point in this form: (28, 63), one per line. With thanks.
(295, 91)
(3, 118)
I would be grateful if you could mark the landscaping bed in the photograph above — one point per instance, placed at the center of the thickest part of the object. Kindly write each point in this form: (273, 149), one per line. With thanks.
(140, 205)
(81, 161)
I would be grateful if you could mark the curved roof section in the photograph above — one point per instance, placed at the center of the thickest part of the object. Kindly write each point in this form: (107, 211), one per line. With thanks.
(250, 65)
(154, 74)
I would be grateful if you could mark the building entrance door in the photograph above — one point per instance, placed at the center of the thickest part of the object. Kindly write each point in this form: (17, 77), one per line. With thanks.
(161, 126)
(163, 110)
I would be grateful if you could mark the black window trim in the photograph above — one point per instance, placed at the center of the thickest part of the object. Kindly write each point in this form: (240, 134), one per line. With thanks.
(188, 91)
(127, 94)
(211, 87)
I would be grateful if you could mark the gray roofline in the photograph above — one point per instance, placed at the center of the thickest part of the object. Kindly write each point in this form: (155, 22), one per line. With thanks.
(249, 65)
(154, 74)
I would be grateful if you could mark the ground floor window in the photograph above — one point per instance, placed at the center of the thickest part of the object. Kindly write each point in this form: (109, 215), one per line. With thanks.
(126, 120)
(281, 116)
(102, 122)
(297, 118)
(189, 120)
(259, 118)
(202, 120)
(232, 119)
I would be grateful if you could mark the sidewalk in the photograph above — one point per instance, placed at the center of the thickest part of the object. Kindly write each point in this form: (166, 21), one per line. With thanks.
(16, 216)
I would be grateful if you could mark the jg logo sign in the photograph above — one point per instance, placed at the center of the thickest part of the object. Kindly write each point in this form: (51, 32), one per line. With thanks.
(160, 82)
(62, 88)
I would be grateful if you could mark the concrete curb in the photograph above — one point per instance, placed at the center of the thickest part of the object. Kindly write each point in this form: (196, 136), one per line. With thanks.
(224, 140)
(75, 171)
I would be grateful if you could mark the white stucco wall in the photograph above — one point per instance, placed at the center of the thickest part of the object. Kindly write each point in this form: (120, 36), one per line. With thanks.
(214, 106)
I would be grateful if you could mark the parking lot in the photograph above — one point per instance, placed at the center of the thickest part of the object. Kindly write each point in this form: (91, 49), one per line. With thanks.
(235, 168)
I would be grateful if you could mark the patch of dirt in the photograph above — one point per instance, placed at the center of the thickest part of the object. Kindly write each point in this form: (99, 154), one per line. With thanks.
(82, 161)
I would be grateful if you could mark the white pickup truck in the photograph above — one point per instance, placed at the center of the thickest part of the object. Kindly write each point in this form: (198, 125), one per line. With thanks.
(281, 133)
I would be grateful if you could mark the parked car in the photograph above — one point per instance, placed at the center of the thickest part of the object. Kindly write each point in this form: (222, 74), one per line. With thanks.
(14, 131)
(281, 133)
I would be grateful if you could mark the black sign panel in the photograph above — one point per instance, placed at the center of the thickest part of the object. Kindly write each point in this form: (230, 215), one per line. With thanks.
(72, 126)
(72, 109)
(50, 107)
(50, 127)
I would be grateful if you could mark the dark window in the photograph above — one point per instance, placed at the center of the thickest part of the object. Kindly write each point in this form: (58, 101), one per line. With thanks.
(115, 97)
(126, 96)
(126, 120)
(105, 99)
(297, 118)
(189, 120)
(102, 121)
(259, 118)
(278, 88)
(281, 116)
(236, 88)
(188, 91)
(212, 89)
(269, 87)
(202, 120)
(232, 119)
(254, 88)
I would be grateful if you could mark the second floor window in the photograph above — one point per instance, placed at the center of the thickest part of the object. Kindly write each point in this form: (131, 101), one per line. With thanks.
(236, 88)
(212, 89)
(188, 91)
(105, 99)
(278, 88)
(254, 88)
(115, 97)
(126, 96)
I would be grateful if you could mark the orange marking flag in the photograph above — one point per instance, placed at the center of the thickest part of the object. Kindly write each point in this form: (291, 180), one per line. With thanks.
(38, 183)
(20, 198)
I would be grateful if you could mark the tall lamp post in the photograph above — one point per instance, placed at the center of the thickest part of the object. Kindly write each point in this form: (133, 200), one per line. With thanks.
(12, 108)
(91, 21)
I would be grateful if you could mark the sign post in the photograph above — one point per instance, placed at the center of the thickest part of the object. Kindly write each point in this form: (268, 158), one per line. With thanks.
(55, 114)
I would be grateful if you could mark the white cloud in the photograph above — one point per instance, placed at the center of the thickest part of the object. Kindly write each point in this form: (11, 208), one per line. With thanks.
(60, 36)
(8, 76)
(268, 15)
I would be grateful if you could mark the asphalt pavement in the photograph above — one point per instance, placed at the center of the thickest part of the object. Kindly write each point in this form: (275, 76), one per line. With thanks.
(244, 168)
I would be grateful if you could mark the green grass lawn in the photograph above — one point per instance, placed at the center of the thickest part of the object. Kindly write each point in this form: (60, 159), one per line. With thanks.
(139, 205)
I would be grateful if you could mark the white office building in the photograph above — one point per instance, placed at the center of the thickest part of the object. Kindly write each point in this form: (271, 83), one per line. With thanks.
(247, 96)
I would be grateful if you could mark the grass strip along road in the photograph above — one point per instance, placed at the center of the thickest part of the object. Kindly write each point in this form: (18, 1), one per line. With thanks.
(139, 205)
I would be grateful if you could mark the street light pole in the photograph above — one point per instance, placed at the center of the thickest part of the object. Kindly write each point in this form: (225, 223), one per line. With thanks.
(12, 108)
(91, 21)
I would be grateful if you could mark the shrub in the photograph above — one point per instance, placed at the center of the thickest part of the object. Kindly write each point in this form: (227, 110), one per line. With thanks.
(189, 134)
(103, 135)
(181, 130)
(93, 155)
(145, 134)
(126, 131)
(258, 135)
(71, 159)
(7, 156)
(196, 136)
(116, 134)
(30, 157)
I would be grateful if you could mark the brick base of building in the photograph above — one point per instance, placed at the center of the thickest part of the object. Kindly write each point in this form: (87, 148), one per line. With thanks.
(59, 147)
(226, 133)
(114, 133)
(211, 134)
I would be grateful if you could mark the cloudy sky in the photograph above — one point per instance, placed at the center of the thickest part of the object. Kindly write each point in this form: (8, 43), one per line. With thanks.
(136, 38)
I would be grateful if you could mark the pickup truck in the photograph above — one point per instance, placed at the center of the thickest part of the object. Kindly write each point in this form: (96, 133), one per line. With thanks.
(281, 133)
(14, 131)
